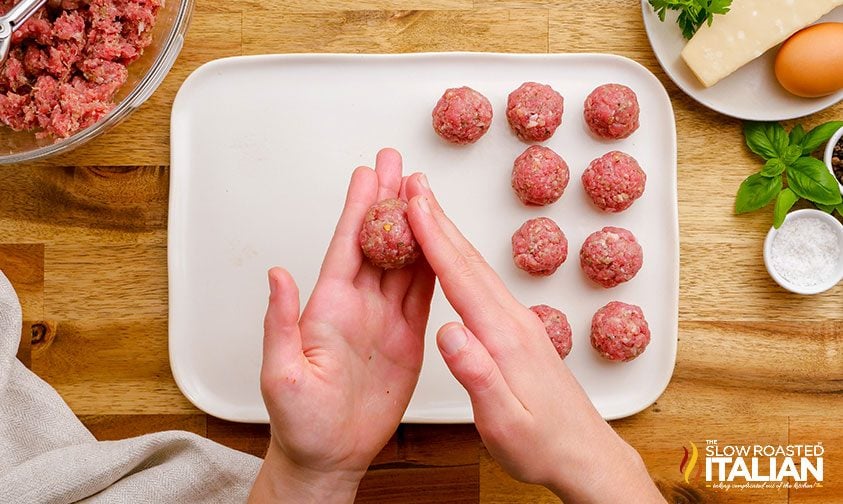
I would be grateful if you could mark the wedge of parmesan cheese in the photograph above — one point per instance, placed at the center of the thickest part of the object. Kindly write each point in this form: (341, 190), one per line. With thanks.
(746, 32)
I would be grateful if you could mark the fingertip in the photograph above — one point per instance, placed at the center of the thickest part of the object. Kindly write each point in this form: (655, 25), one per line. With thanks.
(281, 334)
(362, 186)
(421, 178)
(472, 365)
(283, 290)
(278, 274)
(417, 185)
(451, 338)
(388, 154)
(420, 203)
(362, 172)
(388, 168)
(275, 277)
(388, 159)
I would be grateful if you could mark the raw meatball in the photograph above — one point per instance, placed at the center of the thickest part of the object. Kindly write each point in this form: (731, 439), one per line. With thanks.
(611, 256)
(557, 327)
(539, 247)
(619, 331)
(534, 111)
(462, 115)
(386, 237)
(614, 181)
(611, 111)
(539, 176)
(68, 61)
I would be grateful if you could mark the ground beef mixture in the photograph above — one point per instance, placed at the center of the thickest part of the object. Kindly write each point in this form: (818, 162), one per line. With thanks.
(462, 115)
(557, 327)
(611, 256)
(619, 331)
(539, 247)
(539, 176)
(614, 181)
(386, 237)
(534, 111)
(611, 111)
(68, 61)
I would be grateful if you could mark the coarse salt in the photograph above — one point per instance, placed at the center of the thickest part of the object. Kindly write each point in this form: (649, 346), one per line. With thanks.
(805, 251)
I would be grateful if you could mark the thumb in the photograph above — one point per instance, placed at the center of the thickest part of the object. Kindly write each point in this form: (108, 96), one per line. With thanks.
(282, 345)
(473, 366)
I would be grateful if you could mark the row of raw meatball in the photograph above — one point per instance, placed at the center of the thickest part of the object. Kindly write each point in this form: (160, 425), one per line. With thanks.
(534, 112)
(608, 257)
(613, 181)
(619, 331)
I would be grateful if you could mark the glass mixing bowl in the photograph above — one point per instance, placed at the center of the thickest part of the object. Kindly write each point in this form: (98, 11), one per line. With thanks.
(145, 75)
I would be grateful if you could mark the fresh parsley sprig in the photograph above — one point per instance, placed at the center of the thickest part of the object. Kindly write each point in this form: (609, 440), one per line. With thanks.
(788, 159)
(692, 13)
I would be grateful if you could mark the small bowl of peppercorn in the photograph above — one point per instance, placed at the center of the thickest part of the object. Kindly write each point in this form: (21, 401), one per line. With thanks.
(834, 157)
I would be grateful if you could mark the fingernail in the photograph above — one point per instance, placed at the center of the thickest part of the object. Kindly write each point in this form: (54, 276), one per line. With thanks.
(453, 340)
(423, 181)
(425, 207)
(271, 284)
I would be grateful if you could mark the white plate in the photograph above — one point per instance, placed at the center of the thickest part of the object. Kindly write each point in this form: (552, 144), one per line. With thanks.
(262, 150)
(751, 93)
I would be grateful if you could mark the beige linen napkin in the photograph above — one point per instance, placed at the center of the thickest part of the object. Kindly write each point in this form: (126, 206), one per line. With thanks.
(48, 456)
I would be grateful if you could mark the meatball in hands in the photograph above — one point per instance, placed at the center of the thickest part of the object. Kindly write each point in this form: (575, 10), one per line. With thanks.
(337, 378)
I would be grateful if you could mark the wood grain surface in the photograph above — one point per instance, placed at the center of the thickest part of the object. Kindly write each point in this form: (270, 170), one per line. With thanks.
(83, 239)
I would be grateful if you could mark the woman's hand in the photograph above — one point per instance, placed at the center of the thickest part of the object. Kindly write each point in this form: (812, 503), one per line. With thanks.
(336, 380)
(533, 416)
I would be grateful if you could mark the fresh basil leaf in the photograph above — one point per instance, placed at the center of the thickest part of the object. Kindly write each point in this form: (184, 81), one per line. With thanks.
(778, 137)
(819, 135)
(810, 179)
(756, 192)
(796, 135)
(773, 168)
(768, 140)
(791, 154)
(825, 208)
(784, 202)
(839, 209)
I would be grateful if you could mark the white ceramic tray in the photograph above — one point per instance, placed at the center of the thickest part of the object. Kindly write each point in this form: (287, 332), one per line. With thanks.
(752, 92)
(262, 150)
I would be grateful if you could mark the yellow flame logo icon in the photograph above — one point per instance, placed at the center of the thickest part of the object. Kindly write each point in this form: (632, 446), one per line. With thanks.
(689, 461)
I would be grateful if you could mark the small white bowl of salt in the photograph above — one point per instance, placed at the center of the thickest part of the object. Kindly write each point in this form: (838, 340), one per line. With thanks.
(805, 255)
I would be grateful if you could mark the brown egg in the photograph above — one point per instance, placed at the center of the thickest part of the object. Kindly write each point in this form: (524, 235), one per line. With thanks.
(810, 63)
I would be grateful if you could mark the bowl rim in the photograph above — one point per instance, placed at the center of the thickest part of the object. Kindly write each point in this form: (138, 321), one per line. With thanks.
(126, 106)
(768, 245)
(829, 149)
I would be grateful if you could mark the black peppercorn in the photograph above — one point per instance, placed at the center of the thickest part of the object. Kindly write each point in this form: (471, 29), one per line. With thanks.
(837, 160)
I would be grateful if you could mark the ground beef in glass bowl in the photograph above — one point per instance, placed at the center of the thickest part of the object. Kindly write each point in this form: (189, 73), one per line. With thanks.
(77, 68)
